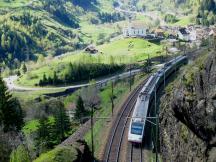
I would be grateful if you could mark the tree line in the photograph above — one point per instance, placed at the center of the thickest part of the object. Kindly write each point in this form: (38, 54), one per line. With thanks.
(80, 72)
(86, 4)
(11, 122)
(110, 17)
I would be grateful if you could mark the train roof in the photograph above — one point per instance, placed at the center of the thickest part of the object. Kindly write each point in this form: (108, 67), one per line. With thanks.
(141, 107)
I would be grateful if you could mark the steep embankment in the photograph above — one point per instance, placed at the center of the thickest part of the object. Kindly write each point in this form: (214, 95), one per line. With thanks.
(187, 115)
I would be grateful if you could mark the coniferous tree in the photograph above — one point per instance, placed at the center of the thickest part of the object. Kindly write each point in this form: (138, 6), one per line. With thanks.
(62, 123)
(18, 73)
(11, 114)
(80, 109)
(42, 139)
(3, 41)
(24, 68)
(55, 78)
(44, 79)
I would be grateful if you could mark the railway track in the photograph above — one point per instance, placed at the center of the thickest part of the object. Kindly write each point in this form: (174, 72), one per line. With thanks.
(113, 148)
(136, 153)
(116, 143)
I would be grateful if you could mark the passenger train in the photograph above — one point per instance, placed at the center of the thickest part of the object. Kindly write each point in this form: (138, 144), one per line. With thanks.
(146, 96)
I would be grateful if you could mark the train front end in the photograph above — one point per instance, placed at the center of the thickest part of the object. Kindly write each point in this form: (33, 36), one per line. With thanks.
(136, 131)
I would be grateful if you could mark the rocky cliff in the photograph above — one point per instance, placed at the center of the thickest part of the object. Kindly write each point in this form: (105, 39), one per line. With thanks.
(188, 113)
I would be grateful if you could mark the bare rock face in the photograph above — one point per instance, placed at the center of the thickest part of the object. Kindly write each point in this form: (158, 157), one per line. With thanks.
(188, 115)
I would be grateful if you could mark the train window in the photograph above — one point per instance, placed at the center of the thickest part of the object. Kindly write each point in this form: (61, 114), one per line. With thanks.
(136, 128)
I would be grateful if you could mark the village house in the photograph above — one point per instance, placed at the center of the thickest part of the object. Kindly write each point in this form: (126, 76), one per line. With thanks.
(135, 30)
(159, 32)
(183, 34)
(91, 49)
(187, 34)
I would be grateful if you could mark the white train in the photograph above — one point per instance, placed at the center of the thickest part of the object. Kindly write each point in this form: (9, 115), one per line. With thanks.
(146, 96)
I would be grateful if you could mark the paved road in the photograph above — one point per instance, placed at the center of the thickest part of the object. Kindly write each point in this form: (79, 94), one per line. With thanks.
(12, 86)
(152, 14)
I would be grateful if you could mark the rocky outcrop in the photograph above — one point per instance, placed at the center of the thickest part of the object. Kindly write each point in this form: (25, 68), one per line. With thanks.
(188, 114)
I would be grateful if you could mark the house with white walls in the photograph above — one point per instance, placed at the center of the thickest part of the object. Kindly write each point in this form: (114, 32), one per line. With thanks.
(135, 30)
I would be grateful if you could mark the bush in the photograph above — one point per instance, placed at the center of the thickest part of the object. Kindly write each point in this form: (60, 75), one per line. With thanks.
(20, 155)
(170, 18)
(59, 154)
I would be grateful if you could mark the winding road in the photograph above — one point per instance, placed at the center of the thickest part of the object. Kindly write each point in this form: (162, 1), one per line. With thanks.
(153, 15)
(12, 86)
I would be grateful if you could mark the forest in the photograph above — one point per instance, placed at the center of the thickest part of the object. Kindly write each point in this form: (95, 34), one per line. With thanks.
(207, 13)
(53, 127)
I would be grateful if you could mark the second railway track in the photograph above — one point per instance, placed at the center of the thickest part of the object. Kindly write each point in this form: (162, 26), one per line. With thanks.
(113, 148)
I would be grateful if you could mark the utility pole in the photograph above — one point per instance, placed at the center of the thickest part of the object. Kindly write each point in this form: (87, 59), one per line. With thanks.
(92, 132)
(92, 137)
(166, 52)
(164, 79)
(130, 77)
(214, 43)
(175, 63)
(155, 90)
(209, 42)
(179, 44)
(155, 95)
(185, 48)
(157, 124)
(112, 98)
(148, 63)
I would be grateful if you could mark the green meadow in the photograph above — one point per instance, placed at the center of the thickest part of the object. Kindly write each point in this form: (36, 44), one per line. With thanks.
(123, 51)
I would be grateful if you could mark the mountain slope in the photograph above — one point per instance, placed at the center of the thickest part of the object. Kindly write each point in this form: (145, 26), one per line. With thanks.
(50, 27)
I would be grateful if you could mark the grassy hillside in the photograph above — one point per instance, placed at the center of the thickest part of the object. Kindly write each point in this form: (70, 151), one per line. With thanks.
(122, 51)
(135, 49)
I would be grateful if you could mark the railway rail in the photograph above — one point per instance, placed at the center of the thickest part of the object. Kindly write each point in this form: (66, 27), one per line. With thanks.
(113, 148)
(136, 153)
